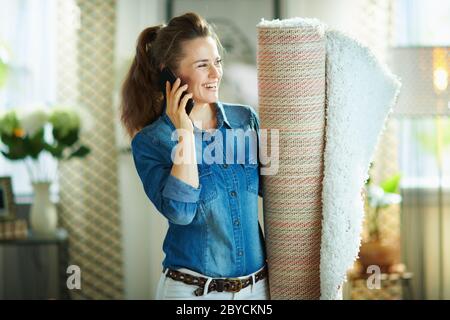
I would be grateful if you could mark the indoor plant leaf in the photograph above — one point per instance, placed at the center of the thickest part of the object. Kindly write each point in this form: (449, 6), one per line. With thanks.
(391, 184)
(68, 139)
(81, 152)
(55, 150)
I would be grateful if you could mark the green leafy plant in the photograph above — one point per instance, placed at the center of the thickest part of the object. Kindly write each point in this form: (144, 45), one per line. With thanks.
(23, 134)
(378, 198)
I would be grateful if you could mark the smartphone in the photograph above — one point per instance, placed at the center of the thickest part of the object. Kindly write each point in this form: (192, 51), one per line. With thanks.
(167, 75)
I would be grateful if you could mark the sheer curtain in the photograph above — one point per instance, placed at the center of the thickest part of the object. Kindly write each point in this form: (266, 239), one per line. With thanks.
(426, 204)
(424, 160)
(28, 29)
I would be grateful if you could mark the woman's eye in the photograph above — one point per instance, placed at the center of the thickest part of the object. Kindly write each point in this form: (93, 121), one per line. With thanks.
(218, 62)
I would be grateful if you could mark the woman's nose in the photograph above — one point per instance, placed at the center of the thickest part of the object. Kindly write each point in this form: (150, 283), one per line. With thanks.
(214, 72)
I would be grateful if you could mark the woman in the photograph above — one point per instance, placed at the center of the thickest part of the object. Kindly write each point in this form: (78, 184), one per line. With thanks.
(196, 177)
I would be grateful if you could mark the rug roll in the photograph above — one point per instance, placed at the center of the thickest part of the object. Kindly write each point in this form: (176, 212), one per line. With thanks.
(291, 82)
(361, 92)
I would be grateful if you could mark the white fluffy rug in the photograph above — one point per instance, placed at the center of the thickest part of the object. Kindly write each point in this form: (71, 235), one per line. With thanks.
(360, 94)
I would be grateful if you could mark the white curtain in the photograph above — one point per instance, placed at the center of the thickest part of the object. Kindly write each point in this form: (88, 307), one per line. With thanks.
(425, 166)
(424, 160)
(423, 22)
(28, 29)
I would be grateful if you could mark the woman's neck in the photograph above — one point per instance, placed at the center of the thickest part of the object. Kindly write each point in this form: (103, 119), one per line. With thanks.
(204, 115)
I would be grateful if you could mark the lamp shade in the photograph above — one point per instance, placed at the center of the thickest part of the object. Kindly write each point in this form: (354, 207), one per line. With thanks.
(424, 73)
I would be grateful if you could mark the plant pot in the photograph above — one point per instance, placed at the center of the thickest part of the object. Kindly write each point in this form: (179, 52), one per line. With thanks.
(379, 253)
(43, 215)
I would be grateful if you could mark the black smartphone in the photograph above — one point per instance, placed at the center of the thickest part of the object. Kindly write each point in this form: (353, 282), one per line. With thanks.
(167, 75)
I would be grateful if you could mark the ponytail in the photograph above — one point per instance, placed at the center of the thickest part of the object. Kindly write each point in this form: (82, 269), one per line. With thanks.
(141, 96)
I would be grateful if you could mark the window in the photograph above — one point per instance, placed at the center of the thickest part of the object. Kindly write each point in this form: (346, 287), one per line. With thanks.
(424, 142)
(423, 22)
(27, 27)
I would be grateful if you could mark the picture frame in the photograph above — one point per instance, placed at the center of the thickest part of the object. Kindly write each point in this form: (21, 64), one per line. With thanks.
(195, 5)
(7, 205)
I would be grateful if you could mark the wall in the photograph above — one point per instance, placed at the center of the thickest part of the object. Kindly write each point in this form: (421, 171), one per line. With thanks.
(339, 14)
(143, 228)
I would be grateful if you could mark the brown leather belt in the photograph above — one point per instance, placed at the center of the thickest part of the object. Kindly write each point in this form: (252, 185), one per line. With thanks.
(219, 285)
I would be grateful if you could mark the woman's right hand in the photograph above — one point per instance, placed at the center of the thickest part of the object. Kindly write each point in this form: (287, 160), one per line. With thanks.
(176, 109)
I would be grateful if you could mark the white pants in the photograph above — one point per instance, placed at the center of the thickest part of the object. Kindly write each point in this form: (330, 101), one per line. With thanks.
(169, 289)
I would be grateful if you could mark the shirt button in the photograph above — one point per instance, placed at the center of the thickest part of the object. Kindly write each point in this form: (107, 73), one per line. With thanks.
(236, 222)
(233, 193)
(225, 165)
(240, 253)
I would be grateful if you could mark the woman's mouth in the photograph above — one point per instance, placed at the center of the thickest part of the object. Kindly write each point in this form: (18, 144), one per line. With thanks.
(212, 86)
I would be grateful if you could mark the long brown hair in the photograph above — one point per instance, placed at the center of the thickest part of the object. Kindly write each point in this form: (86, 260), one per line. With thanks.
(142, 100)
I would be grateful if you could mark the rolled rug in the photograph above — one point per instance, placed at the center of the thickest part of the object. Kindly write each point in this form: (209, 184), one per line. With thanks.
(313, 208)
(291, 83)
(361, 93)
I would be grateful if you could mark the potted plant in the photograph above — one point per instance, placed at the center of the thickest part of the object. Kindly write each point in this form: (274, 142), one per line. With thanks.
(376, 250)
(29, 136)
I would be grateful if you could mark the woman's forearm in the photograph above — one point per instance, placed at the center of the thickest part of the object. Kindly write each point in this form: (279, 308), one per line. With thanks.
(185, 161)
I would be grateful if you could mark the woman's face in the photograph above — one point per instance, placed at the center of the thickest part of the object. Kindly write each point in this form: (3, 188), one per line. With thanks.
(201, 69)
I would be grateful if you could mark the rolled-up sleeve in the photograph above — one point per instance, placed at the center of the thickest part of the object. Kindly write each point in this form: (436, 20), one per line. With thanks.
(175, 199)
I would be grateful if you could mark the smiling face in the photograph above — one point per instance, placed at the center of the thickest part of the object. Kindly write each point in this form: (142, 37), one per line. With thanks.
(201, 69)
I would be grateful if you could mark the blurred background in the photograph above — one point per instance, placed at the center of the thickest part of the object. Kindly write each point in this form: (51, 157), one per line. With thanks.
(69, 192)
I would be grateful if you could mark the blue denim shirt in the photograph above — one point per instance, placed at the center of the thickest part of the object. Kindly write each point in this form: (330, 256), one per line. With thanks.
(213, 229)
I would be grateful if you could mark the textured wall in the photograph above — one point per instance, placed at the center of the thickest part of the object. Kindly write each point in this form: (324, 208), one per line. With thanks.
(89, 194)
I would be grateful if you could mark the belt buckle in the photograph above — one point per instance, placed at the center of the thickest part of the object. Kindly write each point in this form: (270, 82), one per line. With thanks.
(238, 287)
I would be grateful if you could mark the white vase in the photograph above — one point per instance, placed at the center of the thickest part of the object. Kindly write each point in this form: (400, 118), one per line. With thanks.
(43, 215)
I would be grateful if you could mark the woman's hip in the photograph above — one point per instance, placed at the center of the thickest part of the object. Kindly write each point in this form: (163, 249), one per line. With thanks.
(187, 284)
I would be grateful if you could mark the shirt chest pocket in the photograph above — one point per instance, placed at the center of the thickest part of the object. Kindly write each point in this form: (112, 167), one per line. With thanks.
(252, 177)
(206, 178)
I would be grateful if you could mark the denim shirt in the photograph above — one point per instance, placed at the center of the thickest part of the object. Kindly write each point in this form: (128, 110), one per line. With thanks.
(213, 229)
